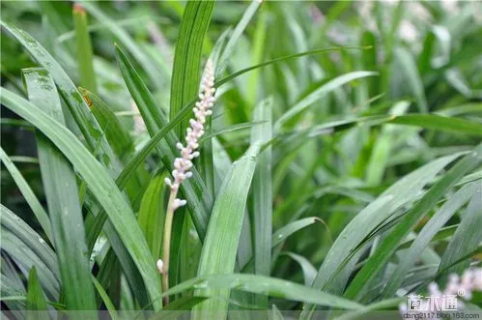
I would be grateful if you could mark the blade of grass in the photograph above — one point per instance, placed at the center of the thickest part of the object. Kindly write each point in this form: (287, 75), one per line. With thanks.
(186, 72)
(428, 121)
(28, 194)
(382, 148)
(263, 285)
(36, 303)
(409, 67)
(101, 185)
(426, 203)
(28, 249)
(280, 236)
(403, 191)
(258, 50)
(283, 233)
(199, 201)
(186, 110)
(84, 49)
(365, 311)
(317, 94)
(262, 197)
(223, 61)
(61, 192)
(309, 272)
(13, 297)
(220, 246)
(115, 134)
(77, 106)
(151, 214)
(467, 237)
(177, 308)
(156, 76)
(105, 298)
(432, 121)
(424, 237)
(281, 59)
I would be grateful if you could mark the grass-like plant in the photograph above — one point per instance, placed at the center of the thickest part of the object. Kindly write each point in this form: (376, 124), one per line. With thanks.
(338, 171)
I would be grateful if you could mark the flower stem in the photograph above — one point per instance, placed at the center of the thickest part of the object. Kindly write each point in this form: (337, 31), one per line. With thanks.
(166, 243)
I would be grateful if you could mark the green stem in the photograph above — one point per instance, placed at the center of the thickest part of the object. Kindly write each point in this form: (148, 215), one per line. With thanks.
(166, 243)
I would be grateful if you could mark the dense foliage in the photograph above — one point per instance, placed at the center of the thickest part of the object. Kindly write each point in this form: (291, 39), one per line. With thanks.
(340, 170)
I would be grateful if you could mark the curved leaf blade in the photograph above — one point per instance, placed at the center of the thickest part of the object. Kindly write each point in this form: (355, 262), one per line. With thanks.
(61, 191)
(101, 185)
(220, 246)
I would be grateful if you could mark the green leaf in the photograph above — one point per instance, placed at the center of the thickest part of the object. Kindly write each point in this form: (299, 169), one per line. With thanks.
(99, 182)
(115, 134)
(438, 220)
(432, 121)
(280, 59)
(281, 234)
(228, 51)
(84, 50)
(364, 312)
(309, 272)
(429, 121)
(257, 52)
(382, 148)
(142, 96)
(28, 194)
(220, 246)
(199, 201)
(186, 73)
(262, 197)
(263, 285)
(105, 298)
(35, 298)
(177, 308)
(28, 249)
(151, 214)
(61, 192)
(320, 92)
(78, 108)
(376, 262)
(468, 235)
(156, 76)
(409, 67)
(332, 275)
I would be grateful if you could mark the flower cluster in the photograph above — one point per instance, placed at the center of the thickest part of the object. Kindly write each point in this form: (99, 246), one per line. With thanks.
(188, 152)
(463, 287)
(470, 281)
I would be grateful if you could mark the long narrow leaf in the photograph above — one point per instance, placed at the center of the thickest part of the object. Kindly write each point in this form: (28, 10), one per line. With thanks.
(35, 298)
(425, 236)
(99, 182)
(199, 201)
(219, 251)
(319, 93)
(186, 72)
(61, 192)
(405, 190)
(386, 249)
(467, 237)
(84, 50)
(151, 68)
(263, 285)
(28, 249)
(77, 106)
(262, 208)
(28, 194)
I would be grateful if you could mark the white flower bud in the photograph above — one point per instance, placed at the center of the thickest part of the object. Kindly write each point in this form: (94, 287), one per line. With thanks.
(160, 266)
